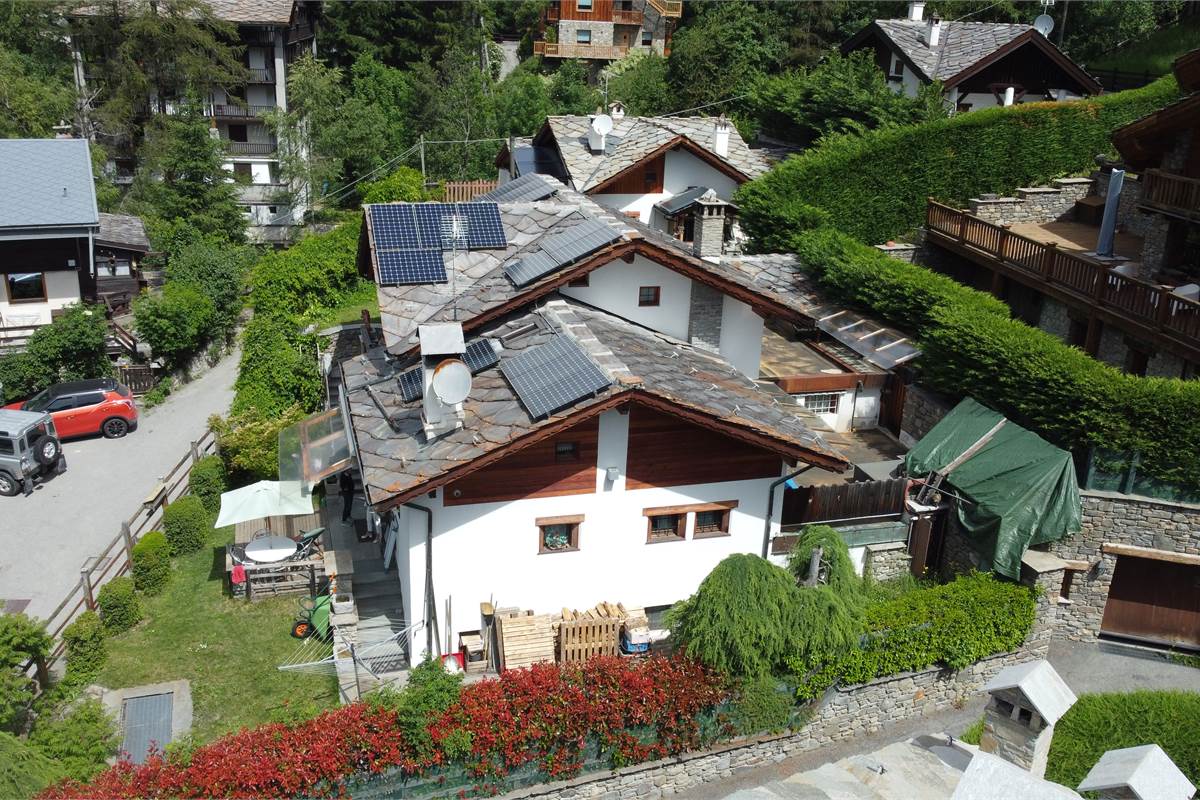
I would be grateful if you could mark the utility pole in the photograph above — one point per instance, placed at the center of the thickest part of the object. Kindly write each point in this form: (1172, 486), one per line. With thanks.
(1062, 25)
(424, 177)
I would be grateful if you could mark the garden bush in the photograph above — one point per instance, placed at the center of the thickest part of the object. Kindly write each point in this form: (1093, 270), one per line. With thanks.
(762, 705)
(151, 563)
(176, 323)
(207, 480)
(991, 150)
(429, 692)
(24, 771)
(749, 616)
(953, 625)
(73, 347)
(21, 639)
(315, 274)
(249, 442)
(85, 646)
(79, 739)
(186, 524)
(1098, 723)
(118, 603)
(278, 369)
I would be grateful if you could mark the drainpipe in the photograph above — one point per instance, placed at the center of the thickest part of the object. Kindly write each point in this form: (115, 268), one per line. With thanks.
(771, 506)
(430, 609)
(858, 387)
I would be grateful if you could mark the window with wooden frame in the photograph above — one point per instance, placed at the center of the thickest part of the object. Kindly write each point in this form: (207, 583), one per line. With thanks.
(565, 452)
(650, 177)
(898, 68)
(647, 38)
(25, 287)
(649, 295)
(711, 522)
(583, 5)
(666, 528)
(558, 534)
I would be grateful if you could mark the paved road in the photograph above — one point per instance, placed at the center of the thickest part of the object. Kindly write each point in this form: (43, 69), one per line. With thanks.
(46, 537)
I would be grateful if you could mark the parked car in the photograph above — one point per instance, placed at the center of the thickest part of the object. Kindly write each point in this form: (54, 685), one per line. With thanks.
(29, 450)
(80, 408)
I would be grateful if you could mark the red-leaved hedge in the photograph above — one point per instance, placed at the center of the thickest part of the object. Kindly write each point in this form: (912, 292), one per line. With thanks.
(540, 715)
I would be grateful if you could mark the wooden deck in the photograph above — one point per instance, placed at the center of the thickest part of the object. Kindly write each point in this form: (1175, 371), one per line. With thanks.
(304, 576)
(1076, 237)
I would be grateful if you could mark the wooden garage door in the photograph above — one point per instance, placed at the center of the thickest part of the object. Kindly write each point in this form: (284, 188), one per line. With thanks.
(1158, 601)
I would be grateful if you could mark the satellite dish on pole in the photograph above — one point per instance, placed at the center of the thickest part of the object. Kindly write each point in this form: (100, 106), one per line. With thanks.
(452, 381)
(1044, 24)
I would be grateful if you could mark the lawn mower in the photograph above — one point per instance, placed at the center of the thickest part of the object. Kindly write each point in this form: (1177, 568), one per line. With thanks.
(313, 619)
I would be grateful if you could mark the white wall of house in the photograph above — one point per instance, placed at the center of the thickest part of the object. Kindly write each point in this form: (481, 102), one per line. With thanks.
(614, 288)
(741, 336)
(853, 413)
(682, 171)
(489, 551)
(62, 289)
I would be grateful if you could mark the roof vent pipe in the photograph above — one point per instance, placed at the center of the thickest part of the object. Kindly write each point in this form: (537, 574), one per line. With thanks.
(721, 130)
(916, 11)
(933, 33)
(446, 379)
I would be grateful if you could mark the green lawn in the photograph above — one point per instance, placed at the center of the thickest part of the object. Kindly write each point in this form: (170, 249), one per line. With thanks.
(363, 299)
(228, 649)
(1102, 722)
(1153, 54)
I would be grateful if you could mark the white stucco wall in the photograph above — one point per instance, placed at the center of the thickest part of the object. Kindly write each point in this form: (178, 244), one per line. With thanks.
(490, 550)
(682, 171)
(614, 288)
(741, 336)
(852, 413)
(62, 289)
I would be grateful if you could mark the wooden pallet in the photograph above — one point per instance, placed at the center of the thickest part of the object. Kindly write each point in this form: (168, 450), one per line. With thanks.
(583, 639)
(525, 640)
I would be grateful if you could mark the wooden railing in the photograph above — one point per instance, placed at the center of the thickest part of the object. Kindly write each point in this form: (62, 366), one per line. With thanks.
(575, 50)
(250, 148)
(627, 17)
(240, 112)
(1170, 192)
(668, 8)
(13, 338)
(114, 560)
(1091, 281)
(298, 33)
(465, 191)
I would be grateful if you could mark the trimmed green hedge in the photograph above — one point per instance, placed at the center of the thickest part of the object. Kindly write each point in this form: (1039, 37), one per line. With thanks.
(151, 563)
(954, 625)
(207, 480)
(186, 524)
(118, 603)
(85, 646)
(874, 186)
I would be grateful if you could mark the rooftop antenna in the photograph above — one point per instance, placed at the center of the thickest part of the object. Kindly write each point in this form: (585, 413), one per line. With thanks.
(454, 236)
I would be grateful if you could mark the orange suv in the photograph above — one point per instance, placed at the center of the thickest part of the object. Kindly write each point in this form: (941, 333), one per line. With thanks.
(81, 408)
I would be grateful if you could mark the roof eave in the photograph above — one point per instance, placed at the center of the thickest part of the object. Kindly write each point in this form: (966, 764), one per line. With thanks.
(712, 159)
(874, 31)
(1030, 36)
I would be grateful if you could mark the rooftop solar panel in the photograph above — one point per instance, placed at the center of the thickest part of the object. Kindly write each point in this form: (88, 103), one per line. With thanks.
(484, 228)
(393, 227)
(406, 267)
(412, 384)
(525, 189)
(561, 248)
(428, 219)
(553, 376)
(480, 355)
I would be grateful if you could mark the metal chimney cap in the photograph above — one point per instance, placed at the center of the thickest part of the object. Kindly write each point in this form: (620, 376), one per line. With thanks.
(441, 339)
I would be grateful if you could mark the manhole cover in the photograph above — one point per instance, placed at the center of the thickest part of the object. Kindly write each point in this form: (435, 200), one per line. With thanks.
(146, 721)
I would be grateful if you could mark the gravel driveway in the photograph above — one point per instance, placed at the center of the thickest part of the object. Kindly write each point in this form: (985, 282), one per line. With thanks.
(46, 537)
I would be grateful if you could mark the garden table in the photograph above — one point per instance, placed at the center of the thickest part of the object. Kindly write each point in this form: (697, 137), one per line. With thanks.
(269, 549)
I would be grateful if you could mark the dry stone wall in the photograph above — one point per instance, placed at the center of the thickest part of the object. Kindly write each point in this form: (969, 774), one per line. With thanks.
(1033, 204)
(922, 410)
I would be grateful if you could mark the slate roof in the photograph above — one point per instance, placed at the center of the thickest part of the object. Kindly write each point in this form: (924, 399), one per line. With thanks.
(634, 138)
(46, 183)
(248, 12)
(124, 231)
(1147, 771)
(1040, 684)
(961, 43)
(398, 462)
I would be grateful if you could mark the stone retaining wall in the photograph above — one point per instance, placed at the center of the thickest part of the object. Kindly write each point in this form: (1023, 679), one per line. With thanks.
(922, 410)
(886, 561)
(1034, 204)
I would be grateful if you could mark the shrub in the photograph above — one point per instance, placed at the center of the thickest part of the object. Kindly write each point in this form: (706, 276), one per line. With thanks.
(762, 705)
(315, 274)
(118, 603)
(186, 524)
(73, 347)
(748, 617)
(78, 740)
(207, 480)
(841, 576)
(21, 639)
(991, 150)
(85, 646)
(23, 770)
(218, 271)
(151, 563)
(1098, 723)
(278, 369)
(429, 692)
(974, 733)
(159, 394)
(249, 442)
(176, 323)
(405, 185)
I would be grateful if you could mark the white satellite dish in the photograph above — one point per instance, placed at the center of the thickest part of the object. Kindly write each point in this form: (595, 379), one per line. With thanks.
(1044, 24)
(602, 124)
(452, 381)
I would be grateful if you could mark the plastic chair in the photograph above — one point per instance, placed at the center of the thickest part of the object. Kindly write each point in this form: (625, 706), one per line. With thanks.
(306, 544)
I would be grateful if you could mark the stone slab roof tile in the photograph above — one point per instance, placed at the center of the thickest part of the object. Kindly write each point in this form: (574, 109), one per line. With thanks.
(124, 231)
(46, 183)
(961, 43)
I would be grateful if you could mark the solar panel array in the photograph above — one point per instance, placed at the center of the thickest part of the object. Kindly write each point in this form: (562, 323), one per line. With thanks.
(525, 189)
(412, 384)
(479, 356)
(553, 376)
(409, 238)
(560, 248)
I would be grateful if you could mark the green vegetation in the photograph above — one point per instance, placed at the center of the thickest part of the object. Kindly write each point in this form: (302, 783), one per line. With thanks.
(118, 604)
(207, 479)
(151, 563)
(971, 347)
(227, 648)
(79, 737)
(86, 651)
(1098, 723)
(21, 639)
(24, 770)
(186, 524)
(762, 705)
(1153, 54)
(249, 442)
(71, 348)
(874, 186)
(973, 733)
(175, 323)
(429, 692)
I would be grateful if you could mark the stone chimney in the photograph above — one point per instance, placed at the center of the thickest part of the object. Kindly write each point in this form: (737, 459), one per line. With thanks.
(1137, 773)
(933, 31)
(721, 129)
(446, 380)
(62, 130)
(1018, 722)
(616, 110)
(916, 10)
(708, 230)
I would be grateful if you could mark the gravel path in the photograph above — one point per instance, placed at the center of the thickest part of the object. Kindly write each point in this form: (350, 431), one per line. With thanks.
(46, 537)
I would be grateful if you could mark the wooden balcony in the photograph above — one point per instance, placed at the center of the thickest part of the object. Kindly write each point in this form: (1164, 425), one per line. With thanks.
(571, 50)
(624, 17)
(668, 8)
(260, 76)
(1171, 194)
(298, 33)
(1144, 309)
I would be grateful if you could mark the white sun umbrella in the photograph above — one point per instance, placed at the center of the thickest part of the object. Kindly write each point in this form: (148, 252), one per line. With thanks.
(264, 499)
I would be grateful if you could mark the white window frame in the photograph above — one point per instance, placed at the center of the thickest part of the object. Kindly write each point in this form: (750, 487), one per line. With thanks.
(820, 402)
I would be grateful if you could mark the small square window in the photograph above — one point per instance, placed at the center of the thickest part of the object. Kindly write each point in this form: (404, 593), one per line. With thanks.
(898, 68)
(583, 5)
(822, 403)
(26, 287)
(647, 38)
(649, 296)
(650, 178)
(565, 452)
(581, 282)
(711, 523)
(583, 36)
(666, 528)
(242, 171)
(558, 534)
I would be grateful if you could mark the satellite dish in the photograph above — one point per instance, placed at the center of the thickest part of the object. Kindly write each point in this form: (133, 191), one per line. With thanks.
(1044, 24)
(602, 124)
(452, 381)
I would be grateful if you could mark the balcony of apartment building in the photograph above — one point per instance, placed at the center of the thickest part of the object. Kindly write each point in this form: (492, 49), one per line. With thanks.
(246, 139)
(672, 9)
(1057, 259)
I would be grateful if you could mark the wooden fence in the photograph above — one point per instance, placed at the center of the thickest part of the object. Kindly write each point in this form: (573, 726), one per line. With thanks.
(465, 191)
(1093, 282)
(583, 639)
(13, 338)
(140, 378)
(114, 560)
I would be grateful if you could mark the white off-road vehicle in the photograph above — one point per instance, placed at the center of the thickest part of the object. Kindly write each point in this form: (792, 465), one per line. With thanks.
(29, 450)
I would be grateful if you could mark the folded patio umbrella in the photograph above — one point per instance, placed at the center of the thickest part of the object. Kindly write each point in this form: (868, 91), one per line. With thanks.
(264, 499)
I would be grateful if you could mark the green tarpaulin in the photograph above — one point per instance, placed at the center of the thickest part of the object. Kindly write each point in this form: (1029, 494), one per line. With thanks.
(1019, 489)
